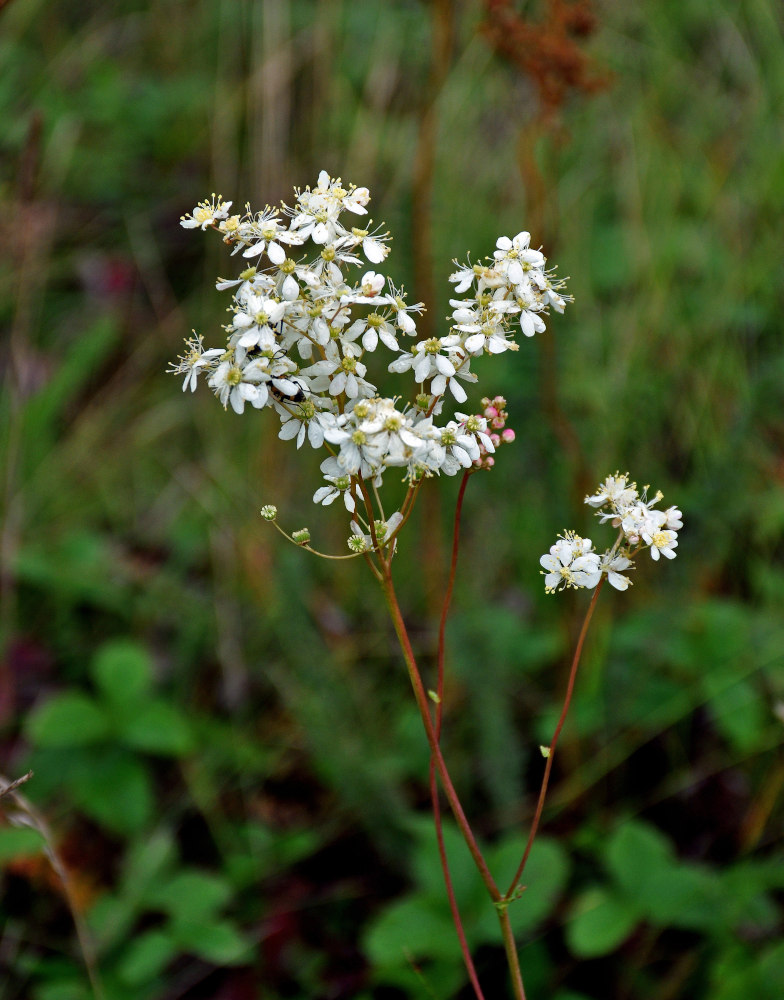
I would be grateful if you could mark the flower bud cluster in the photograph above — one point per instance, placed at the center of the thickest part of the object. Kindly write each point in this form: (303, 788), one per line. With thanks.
(571, 562)
(303, 329)
(494, 412)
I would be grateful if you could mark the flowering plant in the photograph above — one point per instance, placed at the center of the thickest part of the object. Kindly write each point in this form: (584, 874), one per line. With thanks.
(299, 341)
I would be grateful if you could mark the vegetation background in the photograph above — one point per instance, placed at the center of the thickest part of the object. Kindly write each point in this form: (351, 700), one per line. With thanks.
(228, 764)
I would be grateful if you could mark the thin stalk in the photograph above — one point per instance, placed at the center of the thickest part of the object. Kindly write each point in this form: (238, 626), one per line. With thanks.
(34, 819)
(553, 743)
(424, 711)
(456, 919)
(469, 962)
(448, 598)
(511, 953)
(371, 518)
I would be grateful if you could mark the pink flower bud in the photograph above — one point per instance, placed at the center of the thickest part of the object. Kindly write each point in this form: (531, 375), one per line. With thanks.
(491, 412)
(508, 435)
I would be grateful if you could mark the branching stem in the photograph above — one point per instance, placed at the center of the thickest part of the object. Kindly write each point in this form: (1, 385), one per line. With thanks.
(553, 743)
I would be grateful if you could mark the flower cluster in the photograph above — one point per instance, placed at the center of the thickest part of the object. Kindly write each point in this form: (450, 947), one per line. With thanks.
(303, 329)
(571, 562)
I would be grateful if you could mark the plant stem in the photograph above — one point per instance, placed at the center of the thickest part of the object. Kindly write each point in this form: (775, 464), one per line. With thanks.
(469, 962)
(424, 711)
(464, 949)
(553, 743)
(511, 953)
(34, 819)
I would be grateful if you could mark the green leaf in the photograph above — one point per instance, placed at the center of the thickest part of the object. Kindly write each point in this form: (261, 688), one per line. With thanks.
(638, 856)
(146, 862)
(123, 672)
(19, 842)
(427, 865)
(685, 896)
(191, 895)
(63, 989)
(771, 971)
(158, 728)
(601, 922)
(410, 929)
(219, 941)
(741, 715)
(110, 920)
(68, 720)
(545, 875)
(115, 790)
(146, 957)
(745, 896)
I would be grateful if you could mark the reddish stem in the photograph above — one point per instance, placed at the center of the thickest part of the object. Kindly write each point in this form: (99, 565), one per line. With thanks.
(469, 962)
(424, 711)
(553, 743)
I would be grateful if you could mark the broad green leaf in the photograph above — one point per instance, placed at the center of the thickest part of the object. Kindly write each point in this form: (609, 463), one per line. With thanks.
(157, 728)
(427, 870)
(70, 719)
(637, 856)
(19, 842)
(411, 929)
(146, 957)
(146, 861)
(218, 941)
(745, 894)
(545, 875)
(771, 971)
(600, 923)
(190, 895)
(741, 714)
(686, 896)
(110, 920)
(122, 671)
(64, 989)
(116, 791)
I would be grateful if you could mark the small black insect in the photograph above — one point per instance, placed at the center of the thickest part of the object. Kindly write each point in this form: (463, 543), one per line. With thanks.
(298, 396)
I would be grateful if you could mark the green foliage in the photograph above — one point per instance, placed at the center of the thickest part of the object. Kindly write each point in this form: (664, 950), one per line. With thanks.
(418, 927)
(648, 884)
(222, 737)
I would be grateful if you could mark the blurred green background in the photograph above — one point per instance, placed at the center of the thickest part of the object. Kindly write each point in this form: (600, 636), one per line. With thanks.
(225, 750)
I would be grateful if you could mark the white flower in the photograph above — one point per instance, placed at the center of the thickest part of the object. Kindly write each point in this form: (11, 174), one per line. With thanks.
(384, 530)
(347, 373)
(372, 328)
(206, 213)
(340, 484)
(356, 200)
(486, 325)
(571, 563)
(266, 233)
(674, 518)
(615, 490)
(662, 542)
(613, 566)
(463, 277)
(256, 322)
(194, 361)
(230, 386)
(305, 420)
(516, 257)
